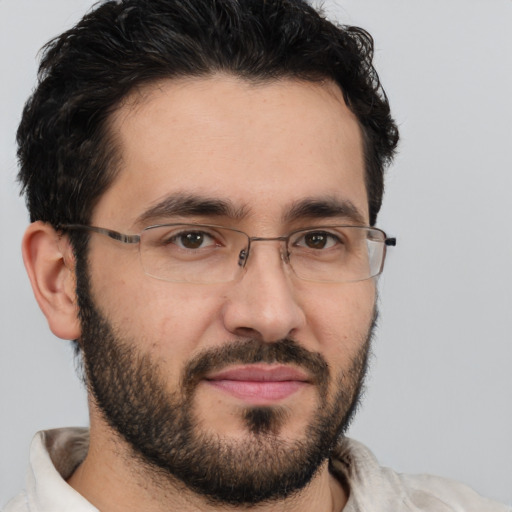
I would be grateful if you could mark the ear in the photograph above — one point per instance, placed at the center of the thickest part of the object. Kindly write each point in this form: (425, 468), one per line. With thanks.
(50, 265)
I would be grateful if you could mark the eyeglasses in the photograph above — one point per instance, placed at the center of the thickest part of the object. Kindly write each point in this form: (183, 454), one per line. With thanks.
(203, 253)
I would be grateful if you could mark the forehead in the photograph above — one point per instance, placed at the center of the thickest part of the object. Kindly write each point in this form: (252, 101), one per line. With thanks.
(259, 147)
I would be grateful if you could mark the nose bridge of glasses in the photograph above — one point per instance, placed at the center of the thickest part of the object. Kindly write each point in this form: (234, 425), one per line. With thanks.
(244, 254)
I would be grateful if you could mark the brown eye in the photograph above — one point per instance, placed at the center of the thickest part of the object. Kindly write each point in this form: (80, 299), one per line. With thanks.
(317, 240)
(193, 240)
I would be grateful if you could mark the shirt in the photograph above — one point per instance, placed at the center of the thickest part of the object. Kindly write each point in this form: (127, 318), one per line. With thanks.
(55, 454)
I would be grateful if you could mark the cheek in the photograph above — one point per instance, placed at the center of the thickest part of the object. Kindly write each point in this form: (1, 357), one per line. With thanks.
(341, 318)
(167, 318)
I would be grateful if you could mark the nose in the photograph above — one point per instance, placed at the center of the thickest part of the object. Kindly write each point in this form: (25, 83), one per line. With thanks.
(263, 302)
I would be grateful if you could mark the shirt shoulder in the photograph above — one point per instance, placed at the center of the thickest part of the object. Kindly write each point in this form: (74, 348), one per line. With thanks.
(54, 454)
(428, 492)
(374, 488)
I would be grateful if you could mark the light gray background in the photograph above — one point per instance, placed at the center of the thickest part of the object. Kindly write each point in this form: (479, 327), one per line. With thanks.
(439, 396)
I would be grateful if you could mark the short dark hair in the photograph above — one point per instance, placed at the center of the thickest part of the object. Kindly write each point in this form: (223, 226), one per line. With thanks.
(66, 151)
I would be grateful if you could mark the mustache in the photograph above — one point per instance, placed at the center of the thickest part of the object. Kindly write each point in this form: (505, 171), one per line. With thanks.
(253, 351)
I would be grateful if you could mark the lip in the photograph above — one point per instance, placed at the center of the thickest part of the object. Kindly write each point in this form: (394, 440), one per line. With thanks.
(259, 384)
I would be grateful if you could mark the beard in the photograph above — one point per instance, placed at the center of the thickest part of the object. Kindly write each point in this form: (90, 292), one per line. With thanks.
(165, 435)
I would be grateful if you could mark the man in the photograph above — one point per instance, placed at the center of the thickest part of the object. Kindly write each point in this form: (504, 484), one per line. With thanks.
(203, 180)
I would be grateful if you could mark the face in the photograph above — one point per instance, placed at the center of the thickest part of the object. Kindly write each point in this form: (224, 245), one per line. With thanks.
(250, 381)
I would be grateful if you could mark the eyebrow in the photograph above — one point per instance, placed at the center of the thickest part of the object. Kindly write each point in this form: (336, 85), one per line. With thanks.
(180, 205)
(189, 205)
(321, 208)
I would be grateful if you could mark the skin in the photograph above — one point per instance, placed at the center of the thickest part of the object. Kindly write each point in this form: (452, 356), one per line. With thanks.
(263, 148)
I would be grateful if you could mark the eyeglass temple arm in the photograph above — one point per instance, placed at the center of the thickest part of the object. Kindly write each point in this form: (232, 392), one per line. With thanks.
(115, 235)
(390, 242)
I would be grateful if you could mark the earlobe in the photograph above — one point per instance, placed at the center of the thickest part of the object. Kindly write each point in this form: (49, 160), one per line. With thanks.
(49, 262)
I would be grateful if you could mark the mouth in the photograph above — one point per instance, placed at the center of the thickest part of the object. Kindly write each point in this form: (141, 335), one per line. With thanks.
(259, 384)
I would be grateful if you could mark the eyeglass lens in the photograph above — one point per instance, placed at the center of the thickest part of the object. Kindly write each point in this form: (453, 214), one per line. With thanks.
(209, 254)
